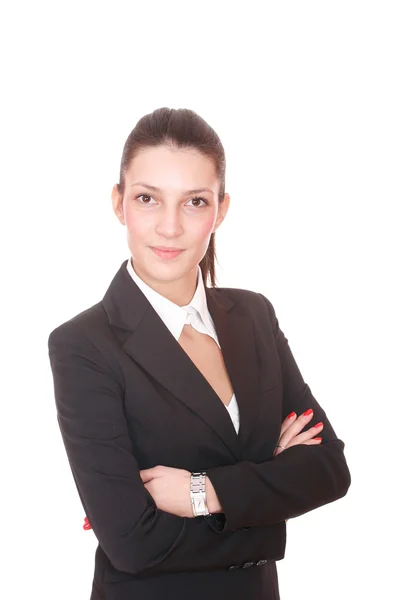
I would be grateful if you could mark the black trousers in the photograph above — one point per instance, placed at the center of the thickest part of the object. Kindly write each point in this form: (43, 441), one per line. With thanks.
(253, 583)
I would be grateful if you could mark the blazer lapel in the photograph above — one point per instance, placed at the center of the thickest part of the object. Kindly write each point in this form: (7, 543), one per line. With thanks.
(236, 335)
(151, 344)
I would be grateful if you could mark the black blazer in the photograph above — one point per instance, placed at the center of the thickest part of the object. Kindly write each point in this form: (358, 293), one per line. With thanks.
(128, 397)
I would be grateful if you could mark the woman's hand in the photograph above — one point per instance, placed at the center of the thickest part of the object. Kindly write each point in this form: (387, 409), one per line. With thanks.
(170, 489)
(290, 431)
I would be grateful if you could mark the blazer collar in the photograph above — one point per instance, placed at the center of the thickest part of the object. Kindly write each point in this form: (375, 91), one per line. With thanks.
(150, 344)
(174, 316)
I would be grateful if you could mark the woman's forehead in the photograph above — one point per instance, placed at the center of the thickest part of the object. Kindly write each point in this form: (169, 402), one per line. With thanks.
(162, 166)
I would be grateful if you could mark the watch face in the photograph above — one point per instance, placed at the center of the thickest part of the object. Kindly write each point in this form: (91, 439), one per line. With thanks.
(199, 502)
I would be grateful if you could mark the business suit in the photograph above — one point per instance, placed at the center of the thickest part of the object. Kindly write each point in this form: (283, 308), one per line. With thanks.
(129, 398)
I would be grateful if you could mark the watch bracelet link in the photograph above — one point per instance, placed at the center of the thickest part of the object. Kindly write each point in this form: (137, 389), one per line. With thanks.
(198, 494)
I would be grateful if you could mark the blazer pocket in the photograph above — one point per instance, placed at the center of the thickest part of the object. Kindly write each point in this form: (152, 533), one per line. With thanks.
(268, 382)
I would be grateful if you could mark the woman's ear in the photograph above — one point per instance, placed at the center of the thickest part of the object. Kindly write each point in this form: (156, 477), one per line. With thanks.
(117, 204)
(222, 211)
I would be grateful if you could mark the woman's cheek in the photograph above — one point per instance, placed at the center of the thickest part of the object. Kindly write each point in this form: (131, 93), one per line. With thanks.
(135, 223)
(204, 229)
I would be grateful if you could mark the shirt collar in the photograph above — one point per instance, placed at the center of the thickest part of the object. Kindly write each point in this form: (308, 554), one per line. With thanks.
(174, 316)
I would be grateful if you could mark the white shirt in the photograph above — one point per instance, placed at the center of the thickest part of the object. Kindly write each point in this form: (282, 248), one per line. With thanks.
(175, 317)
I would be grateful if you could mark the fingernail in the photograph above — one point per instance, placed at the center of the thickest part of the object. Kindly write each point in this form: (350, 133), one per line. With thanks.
(308, 412)
(292, 414)
(318, 424)
(317, 438)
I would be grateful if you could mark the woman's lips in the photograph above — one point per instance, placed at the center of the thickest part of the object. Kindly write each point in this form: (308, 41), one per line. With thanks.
(168, 254)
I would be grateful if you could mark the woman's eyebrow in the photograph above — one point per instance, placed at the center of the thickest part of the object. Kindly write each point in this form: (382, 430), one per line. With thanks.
(156, 189)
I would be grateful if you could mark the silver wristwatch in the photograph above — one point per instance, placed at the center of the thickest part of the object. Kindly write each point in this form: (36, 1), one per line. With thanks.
(198, 494)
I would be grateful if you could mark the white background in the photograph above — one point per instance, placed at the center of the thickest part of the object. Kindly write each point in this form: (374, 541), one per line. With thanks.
(305, 97)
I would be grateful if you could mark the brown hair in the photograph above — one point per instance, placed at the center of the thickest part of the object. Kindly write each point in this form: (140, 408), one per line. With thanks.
(182, 128)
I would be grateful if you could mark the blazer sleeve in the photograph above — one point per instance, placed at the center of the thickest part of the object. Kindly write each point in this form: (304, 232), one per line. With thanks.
(136, 536)
(299, 479)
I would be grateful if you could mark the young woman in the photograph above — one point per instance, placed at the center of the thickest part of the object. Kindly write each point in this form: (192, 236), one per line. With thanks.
(191, 434)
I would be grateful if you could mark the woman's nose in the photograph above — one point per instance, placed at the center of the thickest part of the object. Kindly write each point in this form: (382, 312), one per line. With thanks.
(169, 223)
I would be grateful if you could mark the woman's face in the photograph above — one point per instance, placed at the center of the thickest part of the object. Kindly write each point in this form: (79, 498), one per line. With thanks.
(170, 200)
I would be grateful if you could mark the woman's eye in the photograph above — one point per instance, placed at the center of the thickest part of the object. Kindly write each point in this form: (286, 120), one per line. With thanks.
(144, 196)
(196, 199)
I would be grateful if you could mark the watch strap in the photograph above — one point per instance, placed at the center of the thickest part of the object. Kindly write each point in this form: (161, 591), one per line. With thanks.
(198, 494)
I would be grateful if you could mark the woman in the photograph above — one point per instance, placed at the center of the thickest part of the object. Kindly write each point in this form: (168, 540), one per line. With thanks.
(170, 395)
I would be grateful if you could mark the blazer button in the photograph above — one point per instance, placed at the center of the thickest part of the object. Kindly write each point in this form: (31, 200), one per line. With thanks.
(261, 562)
(247, 565)
(233, 567)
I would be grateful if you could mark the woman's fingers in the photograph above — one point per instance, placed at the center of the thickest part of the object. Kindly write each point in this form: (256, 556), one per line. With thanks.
(278, 450)
(312, 442)
(301, 438)
(296, 426)
(287, 422)
(290, 419)
(290, 431)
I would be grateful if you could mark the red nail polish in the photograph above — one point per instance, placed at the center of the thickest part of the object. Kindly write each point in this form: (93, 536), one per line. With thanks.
(87, 526)
(308, 412)
(318, 424)
(317, 438)
(292, 414)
